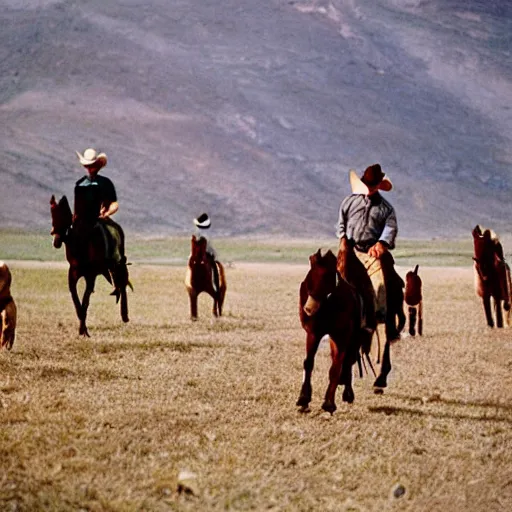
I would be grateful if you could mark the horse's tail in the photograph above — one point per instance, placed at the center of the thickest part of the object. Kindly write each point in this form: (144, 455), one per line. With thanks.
(508, 295)
(222, 275)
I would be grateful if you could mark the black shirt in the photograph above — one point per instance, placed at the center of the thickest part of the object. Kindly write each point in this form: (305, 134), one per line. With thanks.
(91, 194)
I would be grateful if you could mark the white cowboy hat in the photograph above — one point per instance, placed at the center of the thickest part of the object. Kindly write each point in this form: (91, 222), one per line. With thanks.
(203, 221)
(91, 156)
(372, 176)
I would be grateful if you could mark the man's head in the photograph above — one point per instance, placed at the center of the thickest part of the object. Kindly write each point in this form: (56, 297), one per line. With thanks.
(372, 181)
(92, 160)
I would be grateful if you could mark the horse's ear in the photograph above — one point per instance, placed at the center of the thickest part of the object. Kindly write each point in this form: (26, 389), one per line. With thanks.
(330, 258)
(52, 200)
(416, 269)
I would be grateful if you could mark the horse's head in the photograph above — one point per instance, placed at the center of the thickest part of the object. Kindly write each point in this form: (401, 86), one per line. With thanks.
(61, 220)
(487, 250)
(197, 251)
(320, 281)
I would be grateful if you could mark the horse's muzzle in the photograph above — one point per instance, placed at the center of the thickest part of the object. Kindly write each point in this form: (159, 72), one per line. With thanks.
(311, 306)
(57, 241)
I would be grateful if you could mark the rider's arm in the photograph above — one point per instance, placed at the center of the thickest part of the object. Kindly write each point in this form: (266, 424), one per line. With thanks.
(390, 231)
(387, 238)
(110, 210)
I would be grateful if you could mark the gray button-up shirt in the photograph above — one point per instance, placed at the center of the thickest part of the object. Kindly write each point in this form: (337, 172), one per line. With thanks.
(366, 220)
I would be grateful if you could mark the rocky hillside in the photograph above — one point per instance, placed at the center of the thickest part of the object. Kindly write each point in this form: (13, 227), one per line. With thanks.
(255, 111)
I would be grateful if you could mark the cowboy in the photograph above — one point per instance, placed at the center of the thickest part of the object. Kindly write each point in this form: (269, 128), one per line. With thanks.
(98, 195)
(367, 222)
(202, 224)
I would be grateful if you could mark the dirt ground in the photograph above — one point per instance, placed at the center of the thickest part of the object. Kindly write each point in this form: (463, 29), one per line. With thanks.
(166, 414)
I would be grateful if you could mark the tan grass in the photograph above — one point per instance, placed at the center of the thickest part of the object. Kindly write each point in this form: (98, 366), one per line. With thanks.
(108, 423)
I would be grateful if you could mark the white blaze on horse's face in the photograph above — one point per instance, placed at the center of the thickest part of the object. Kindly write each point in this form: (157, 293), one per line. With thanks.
(312, 306)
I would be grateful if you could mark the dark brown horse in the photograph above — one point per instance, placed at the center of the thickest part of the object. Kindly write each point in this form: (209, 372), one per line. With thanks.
(204, 274)
(414, 300)
(492, 275)
(8, 311)
(328, 305)
(87, 257)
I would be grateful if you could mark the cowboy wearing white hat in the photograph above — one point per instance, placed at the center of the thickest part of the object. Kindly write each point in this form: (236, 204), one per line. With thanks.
(202, 224)
(367, 222)
(102, 195)
(98, 196)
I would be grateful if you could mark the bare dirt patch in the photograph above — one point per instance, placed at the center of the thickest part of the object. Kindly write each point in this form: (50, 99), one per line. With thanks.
(108, 423)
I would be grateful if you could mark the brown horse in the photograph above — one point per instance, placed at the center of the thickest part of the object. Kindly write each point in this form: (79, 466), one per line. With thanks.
(492, 275)
(328, 305)
(8, 311)
(414, 300)
(204, 274)
(87, 257)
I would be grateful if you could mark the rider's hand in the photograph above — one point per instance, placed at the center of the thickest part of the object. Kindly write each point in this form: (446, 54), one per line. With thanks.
(377, 250)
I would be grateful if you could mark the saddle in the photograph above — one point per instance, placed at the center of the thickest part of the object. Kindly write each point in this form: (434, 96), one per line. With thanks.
(113, 236)
(354, 271)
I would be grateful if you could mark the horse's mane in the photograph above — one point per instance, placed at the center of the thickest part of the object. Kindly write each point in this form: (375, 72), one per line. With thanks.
(480, 231)
(490, 240)
(198, 250)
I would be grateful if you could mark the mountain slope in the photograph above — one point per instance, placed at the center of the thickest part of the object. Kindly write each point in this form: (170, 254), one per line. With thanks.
(255, 111)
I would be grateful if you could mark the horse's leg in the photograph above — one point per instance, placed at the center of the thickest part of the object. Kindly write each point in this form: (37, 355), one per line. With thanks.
(499, 312)
(412, 320)
(381, 381)
(222, 286)
(8, 324)
(312, 343)
(401, 320)
(193, 303)
(72, 284)
(487, 308)
(121, 281)
(124, 305)
(220, 304)
(346, 373)
(89, 289)
(337, 357)
(420, 318)
(215, 308)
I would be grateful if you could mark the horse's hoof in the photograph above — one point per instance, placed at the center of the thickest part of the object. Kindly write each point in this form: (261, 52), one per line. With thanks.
(125, 319)
(304, 409)
(303, 401)
(348, 396)
(378, 391)
(329, 407)
(380, 382)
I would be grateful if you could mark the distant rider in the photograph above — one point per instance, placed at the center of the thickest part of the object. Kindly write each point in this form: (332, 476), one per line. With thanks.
(202, 224)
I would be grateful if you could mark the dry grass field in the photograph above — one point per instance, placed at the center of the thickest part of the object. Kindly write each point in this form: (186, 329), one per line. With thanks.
(108, 423)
